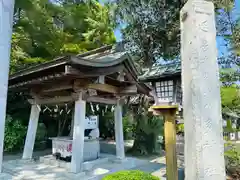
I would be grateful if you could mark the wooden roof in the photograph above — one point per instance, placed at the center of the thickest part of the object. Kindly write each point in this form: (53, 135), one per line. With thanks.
(68, 74)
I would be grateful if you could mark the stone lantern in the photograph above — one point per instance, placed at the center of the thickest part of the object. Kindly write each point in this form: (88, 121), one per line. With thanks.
(166, 81)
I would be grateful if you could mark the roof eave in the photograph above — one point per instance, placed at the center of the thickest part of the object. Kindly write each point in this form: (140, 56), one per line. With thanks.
(161, 77)
(34, 69)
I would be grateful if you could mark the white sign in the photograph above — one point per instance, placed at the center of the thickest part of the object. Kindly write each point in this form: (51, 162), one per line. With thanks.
(91, 122)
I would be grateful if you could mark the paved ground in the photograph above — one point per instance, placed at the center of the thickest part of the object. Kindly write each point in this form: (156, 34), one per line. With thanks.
(29, 170)
(38, 171)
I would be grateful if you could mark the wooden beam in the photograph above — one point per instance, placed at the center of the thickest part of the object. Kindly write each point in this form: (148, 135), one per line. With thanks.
(87, 84)
(54, 100)
(80, 84)
(55, 94)
(66, 99)
(104, 88)
(59, 88)
(132, 89)
(129, 90)
(102, 100)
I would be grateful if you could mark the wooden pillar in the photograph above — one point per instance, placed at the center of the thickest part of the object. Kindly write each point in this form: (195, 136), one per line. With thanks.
(120, 152)
(78, 135)
(6, 14)
(169, 114)
(170, 144)
(31, 133)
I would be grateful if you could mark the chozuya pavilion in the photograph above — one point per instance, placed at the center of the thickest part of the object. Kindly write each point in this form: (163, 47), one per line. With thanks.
(105, 75)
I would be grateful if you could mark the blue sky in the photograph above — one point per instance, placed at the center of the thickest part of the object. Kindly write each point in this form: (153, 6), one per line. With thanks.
(222, 49)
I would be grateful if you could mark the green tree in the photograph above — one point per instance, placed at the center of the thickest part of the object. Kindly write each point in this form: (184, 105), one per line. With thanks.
(228, 28)
(46, 29)
(147, 127)
(151, 33)
(230, 96)
(152, 28)
(100, 25)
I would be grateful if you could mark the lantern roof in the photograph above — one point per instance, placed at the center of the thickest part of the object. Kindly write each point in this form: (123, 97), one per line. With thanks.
(161, 71)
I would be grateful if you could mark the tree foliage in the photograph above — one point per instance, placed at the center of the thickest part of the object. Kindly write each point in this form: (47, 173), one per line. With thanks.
(42, 31)
(147, 127)
(15, 133)
(46, 29)
(230, 96)
(152, 29)
(228, 28)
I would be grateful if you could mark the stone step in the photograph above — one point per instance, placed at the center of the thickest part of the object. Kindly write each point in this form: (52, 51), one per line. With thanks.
(87, 166)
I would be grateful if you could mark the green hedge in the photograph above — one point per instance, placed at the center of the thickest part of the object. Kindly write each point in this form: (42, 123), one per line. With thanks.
(14, 136)
(130, 175)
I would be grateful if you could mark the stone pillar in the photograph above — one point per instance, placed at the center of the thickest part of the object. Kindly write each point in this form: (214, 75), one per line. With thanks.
(78, 135)
(204, 158)
(6, 18)
(31, 133)
(120, 152)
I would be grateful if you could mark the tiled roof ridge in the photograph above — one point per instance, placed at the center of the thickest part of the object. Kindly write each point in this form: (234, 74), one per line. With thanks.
(162, 65)
(168, 64)
(161, 70)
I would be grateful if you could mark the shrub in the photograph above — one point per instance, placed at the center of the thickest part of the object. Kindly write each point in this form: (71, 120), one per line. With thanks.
(130, 175)
(15, 133)
(232, 157)
(232, 154)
